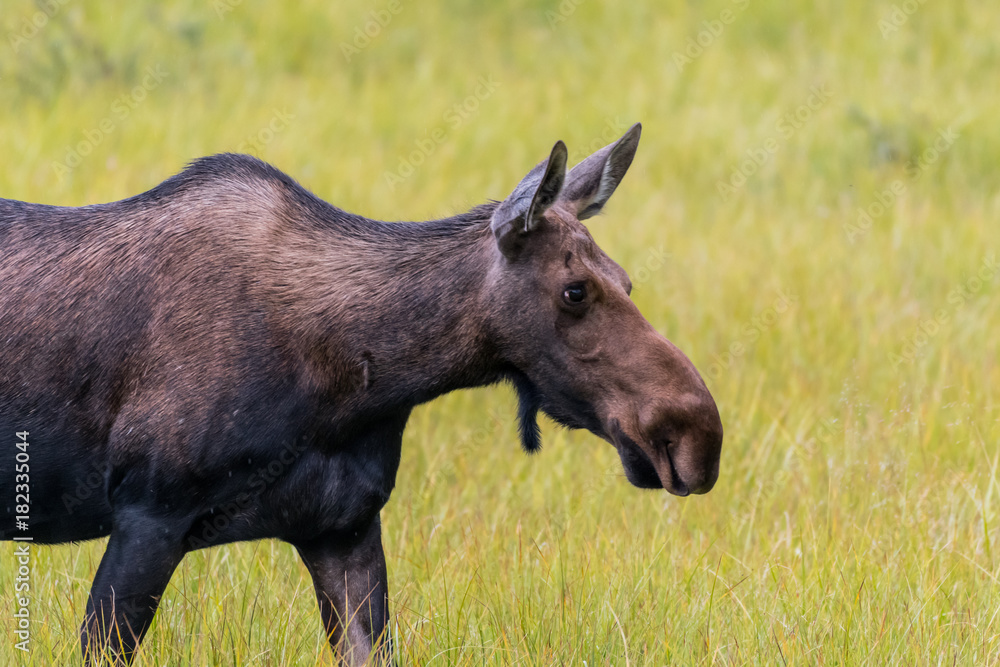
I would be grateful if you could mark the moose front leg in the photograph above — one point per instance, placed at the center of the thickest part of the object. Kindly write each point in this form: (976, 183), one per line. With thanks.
(348, 572)
(141, 555)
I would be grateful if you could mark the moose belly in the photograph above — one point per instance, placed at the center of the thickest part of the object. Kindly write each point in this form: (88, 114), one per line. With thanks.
(313, 495)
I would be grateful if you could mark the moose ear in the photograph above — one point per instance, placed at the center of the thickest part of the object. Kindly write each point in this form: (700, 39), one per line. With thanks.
(522, 211)
(591, 183)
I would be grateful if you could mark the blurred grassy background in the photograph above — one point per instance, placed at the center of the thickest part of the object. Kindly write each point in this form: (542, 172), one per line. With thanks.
(853, 355)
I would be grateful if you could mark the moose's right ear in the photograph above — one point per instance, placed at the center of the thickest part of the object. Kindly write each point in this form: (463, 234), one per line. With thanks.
(522, 211)
(591, 183)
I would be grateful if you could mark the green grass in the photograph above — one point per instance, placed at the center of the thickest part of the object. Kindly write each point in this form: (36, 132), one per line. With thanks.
(856, 518)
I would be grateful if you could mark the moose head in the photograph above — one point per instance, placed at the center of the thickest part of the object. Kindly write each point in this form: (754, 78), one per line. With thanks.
(579, 348)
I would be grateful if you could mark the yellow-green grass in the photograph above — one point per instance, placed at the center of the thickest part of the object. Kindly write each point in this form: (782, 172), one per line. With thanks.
(855, 518)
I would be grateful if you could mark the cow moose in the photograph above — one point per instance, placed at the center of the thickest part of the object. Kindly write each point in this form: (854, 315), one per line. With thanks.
(227, 357)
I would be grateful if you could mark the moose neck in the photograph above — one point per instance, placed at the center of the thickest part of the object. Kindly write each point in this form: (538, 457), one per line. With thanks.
(405, 321)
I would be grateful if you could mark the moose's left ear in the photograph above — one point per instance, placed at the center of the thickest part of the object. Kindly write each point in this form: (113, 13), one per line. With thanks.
(591, 183)
(521, 212)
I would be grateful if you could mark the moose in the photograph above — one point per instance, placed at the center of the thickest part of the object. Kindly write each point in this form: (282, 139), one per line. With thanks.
(228, 357)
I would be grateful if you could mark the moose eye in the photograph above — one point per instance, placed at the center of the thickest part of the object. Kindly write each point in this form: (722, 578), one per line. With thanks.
(575, 294)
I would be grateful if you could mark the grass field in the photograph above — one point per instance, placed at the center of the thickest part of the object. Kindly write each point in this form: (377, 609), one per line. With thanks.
(813, 216)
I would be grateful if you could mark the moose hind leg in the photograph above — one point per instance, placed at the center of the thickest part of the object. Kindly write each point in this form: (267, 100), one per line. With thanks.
(349, 575)
(141, 556)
